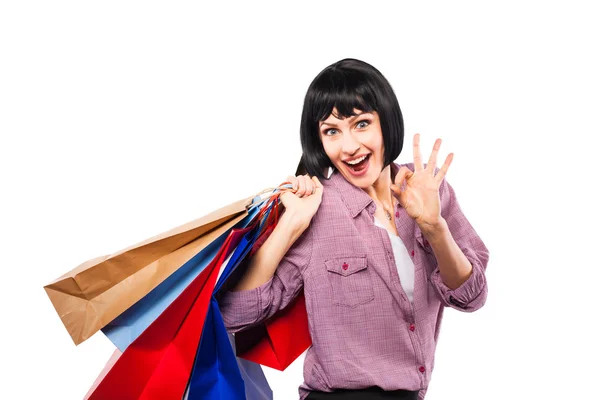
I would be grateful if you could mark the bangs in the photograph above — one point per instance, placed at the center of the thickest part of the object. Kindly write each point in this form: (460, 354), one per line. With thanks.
(344, 91)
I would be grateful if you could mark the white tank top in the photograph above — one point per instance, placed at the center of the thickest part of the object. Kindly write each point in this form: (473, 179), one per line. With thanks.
(404, 264)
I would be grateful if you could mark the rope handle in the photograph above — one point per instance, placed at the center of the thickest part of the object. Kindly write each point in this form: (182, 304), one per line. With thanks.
(256, 199)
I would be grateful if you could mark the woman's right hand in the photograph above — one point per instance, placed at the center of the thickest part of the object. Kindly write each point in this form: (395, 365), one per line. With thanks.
(305, 200)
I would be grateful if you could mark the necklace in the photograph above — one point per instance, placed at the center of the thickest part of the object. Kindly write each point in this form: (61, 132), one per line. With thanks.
(388, 215)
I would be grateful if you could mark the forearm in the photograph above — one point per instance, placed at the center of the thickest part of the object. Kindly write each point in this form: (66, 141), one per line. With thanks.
(454, 266)
(263, 264)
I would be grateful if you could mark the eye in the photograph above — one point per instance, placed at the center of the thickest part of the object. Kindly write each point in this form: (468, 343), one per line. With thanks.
(364, 121)
(326, 132)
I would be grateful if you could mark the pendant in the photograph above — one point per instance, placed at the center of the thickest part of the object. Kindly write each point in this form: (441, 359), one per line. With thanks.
(388, 215)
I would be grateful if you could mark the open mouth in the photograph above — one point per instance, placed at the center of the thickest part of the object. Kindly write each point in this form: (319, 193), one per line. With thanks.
(360, 166)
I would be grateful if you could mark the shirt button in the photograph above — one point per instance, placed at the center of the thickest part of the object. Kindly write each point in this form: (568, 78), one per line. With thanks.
(412, 327)
(412, 253)
(397, 214)
(422, 368)
(344, 266)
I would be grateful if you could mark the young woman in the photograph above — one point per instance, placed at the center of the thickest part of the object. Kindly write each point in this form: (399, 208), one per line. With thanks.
(380, 249)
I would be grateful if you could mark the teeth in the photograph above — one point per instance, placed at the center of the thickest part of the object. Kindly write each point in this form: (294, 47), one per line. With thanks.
(354, 162)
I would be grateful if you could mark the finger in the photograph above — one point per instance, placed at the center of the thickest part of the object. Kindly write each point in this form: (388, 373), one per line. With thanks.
(301, 186)
(417, 152)
(444, 168)
(310, 186)
(293, 181)
(400, 178)
(318, 183)
(403, 174)
(431, 164)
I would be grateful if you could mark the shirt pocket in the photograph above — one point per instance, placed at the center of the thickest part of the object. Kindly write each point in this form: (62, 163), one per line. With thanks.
(350, 280)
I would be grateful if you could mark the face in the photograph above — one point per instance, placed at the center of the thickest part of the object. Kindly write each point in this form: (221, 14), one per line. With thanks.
(349, 140)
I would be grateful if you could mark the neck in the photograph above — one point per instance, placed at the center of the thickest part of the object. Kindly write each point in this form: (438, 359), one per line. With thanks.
(380, 190)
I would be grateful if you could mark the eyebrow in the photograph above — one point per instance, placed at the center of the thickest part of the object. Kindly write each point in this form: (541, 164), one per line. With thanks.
(351, 118)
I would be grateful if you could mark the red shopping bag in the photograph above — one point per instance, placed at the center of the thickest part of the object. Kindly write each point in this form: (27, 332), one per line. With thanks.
(157, 365)
(113, 359)
(278, 341)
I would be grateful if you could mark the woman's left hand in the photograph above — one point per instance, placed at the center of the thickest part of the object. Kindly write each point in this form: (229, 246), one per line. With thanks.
(421, 198)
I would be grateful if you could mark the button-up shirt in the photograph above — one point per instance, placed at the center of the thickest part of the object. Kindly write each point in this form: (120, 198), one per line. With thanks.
(364, 330)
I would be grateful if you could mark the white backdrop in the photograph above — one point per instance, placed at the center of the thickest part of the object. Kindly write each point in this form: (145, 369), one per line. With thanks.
(121, 120)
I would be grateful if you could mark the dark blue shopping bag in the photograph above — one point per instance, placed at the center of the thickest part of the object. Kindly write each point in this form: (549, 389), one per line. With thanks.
(217, 372)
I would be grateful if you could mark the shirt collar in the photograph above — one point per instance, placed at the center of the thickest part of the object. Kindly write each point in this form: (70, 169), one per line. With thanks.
(354, 198)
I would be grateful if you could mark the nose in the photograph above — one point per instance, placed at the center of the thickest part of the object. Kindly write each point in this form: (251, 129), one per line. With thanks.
(349, 143)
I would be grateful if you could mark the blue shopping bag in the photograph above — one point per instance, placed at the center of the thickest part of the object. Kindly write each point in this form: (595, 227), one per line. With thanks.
(217, 372)
(257, 386)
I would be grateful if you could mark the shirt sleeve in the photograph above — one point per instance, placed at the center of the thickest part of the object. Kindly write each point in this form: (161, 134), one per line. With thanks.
(472, 294)
(246, 308)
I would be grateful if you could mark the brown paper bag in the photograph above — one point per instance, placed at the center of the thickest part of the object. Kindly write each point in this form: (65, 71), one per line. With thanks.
(99, 290)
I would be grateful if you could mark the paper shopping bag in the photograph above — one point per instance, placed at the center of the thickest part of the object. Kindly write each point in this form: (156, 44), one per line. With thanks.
(257, 386)
(128, 326)
(278, 341)
(216, 374)
(113, 359)
(124, 329)
(217, 382)
(96, 292)
(157, 365)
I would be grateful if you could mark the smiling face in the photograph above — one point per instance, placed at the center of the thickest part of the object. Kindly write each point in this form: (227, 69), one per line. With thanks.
(355, 146)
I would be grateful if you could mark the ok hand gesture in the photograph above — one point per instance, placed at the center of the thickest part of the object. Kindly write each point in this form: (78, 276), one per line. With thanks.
(421, 198)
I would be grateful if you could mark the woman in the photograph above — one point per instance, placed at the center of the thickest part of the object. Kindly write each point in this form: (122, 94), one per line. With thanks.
(379, 248)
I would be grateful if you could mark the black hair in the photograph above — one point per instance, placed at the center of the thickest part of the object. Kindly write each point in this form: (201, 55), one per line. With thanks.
(346, 85)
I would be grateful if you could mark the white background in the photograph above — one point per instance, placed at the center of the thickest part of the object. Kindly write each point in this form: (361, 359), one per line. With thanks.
(121, 120)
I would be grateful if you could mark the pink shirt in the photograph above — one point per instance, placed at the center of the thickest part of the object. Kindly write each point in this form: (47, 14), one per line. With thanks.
(365, 332)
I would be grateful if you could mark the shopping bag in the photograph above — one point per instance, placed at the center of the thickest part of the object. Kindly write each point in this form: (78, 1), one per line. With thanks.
(281, 339)
(157, 365)
(216, 374)
(113, 359)
(128, 326)
(278, 341)
(96, 292)
(255, 382)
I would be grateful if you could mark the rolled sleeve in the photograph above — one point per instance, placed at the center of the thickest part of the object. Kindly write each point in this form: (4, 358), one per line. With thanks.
(472, 294)
(244, 309)
(240, 309)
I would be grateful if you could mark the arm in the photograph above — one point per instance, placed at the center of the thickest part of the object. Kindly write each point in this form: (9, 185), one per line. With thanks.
(459, 277)
(273, 277)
